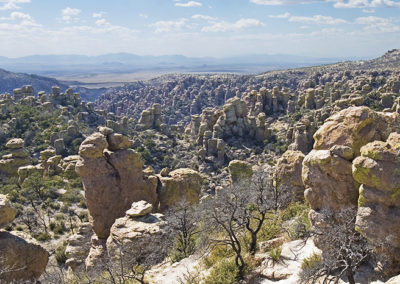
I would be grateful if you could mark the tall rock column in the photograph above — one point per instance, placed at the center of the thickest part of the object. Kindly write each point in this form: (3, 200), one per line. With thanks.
(113, 179)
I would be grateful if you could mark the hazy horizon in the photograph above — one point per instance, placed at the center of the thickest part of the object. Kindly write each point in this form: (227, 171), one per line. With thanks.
(201, 28)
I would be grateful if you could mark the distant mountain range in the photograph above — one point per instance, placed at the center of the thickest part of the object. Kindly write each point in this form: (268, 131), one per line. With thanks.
(64, 65)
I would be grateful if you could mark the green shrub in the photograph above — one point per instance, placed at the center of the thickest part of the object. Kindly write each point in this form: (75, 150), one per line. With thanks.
(60, 254)
(217, 254)
(42, 237)
(59, 228)
(224, 272)
(312, 261)
(310, 266)
(275, 254)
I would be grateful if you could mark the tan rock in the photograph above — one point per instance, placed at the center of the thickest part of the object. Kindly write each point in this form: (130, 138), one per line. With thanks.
(93, 146)
(288, 174)
(15, 143)
(181, 184)
(140, 208)
(112, 182)
(355, 127)
(239, 171)
(7, 212)
(134, 238)
(21, 260)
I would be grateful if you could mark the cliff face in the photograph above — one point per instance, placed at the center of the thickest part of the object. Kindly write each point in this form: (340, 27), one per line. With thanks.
(354, 163)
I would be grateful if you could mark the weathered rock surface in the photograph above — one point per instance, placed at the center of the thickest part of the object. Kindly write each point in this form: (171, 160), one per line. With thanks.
(112, 180)
(287, 174)
(21, 259)
(78, 248)
(7, 212)
(345, 171)
(16, 158)
(138, 237)
(239, 171)
(355, 127)
(179, 185)
(378, 170)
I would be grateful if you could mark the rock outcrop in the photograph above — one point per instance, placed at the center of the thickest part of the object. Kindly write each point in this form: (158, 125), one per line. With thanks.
(139, 236)
(287, 174)
(345, 171)
(16, 158)
(180, 184)
(7, 212)
(150, 118)
(113, 179)
(378, 172)
(239, 171)
(78, 248)
(21, 259)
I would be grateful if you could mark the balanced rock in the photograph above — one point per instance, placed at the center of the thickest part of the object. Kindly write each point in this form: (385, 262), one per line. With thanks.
(112, 179)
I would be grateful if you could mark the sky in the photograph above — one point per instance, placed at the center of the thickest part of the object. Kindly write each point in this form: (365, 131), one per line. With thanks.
(199, 28)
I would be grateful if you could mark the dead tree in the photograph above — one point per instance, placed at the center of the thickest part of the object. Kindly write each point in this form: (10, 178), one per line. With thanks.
(262, 199)
(184, 228)
(344, 249)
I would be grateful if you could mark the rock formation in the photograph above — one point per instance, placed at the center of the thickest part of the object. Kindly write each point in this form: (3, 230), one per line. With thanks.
(239, 171)
(180, 184)
(78, 248)
(150, 118)
(138, 236)
(113, 178)
(16, 158)
(20, 260)
(378, 172)
(287, 174)
(332, 172)
(7, 212)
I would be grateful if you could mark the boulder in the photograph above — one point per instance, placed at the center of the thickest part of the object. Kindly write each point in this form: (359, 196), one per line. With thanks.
(239, 171)
(7, 212)
(15, 143)
(21, 260)
(138, 238)
(179, 185)
(355, 127)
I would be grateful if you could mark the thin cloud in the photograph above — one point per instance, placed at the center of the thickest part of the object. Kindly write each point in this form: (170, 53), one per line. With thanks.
(238, 25)
(189, 4)
(70, 14)
(203, 17)
(318, 19)
(282, 16)
(169, 26)
(12, 4)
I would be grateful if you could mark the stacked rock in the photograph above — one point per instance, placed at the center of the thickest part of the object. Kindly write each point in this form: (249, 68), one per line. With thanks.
(16, 158)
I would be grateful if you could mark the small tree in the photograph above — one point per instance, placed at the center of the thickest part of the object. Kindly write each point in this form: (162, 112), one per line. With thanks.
(261, 197)
(344, 249)
(224, 213)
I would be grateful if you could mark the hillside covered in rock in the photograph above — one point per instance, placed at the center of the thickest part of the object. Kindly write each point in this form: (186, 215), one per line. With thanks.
(290, 176)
